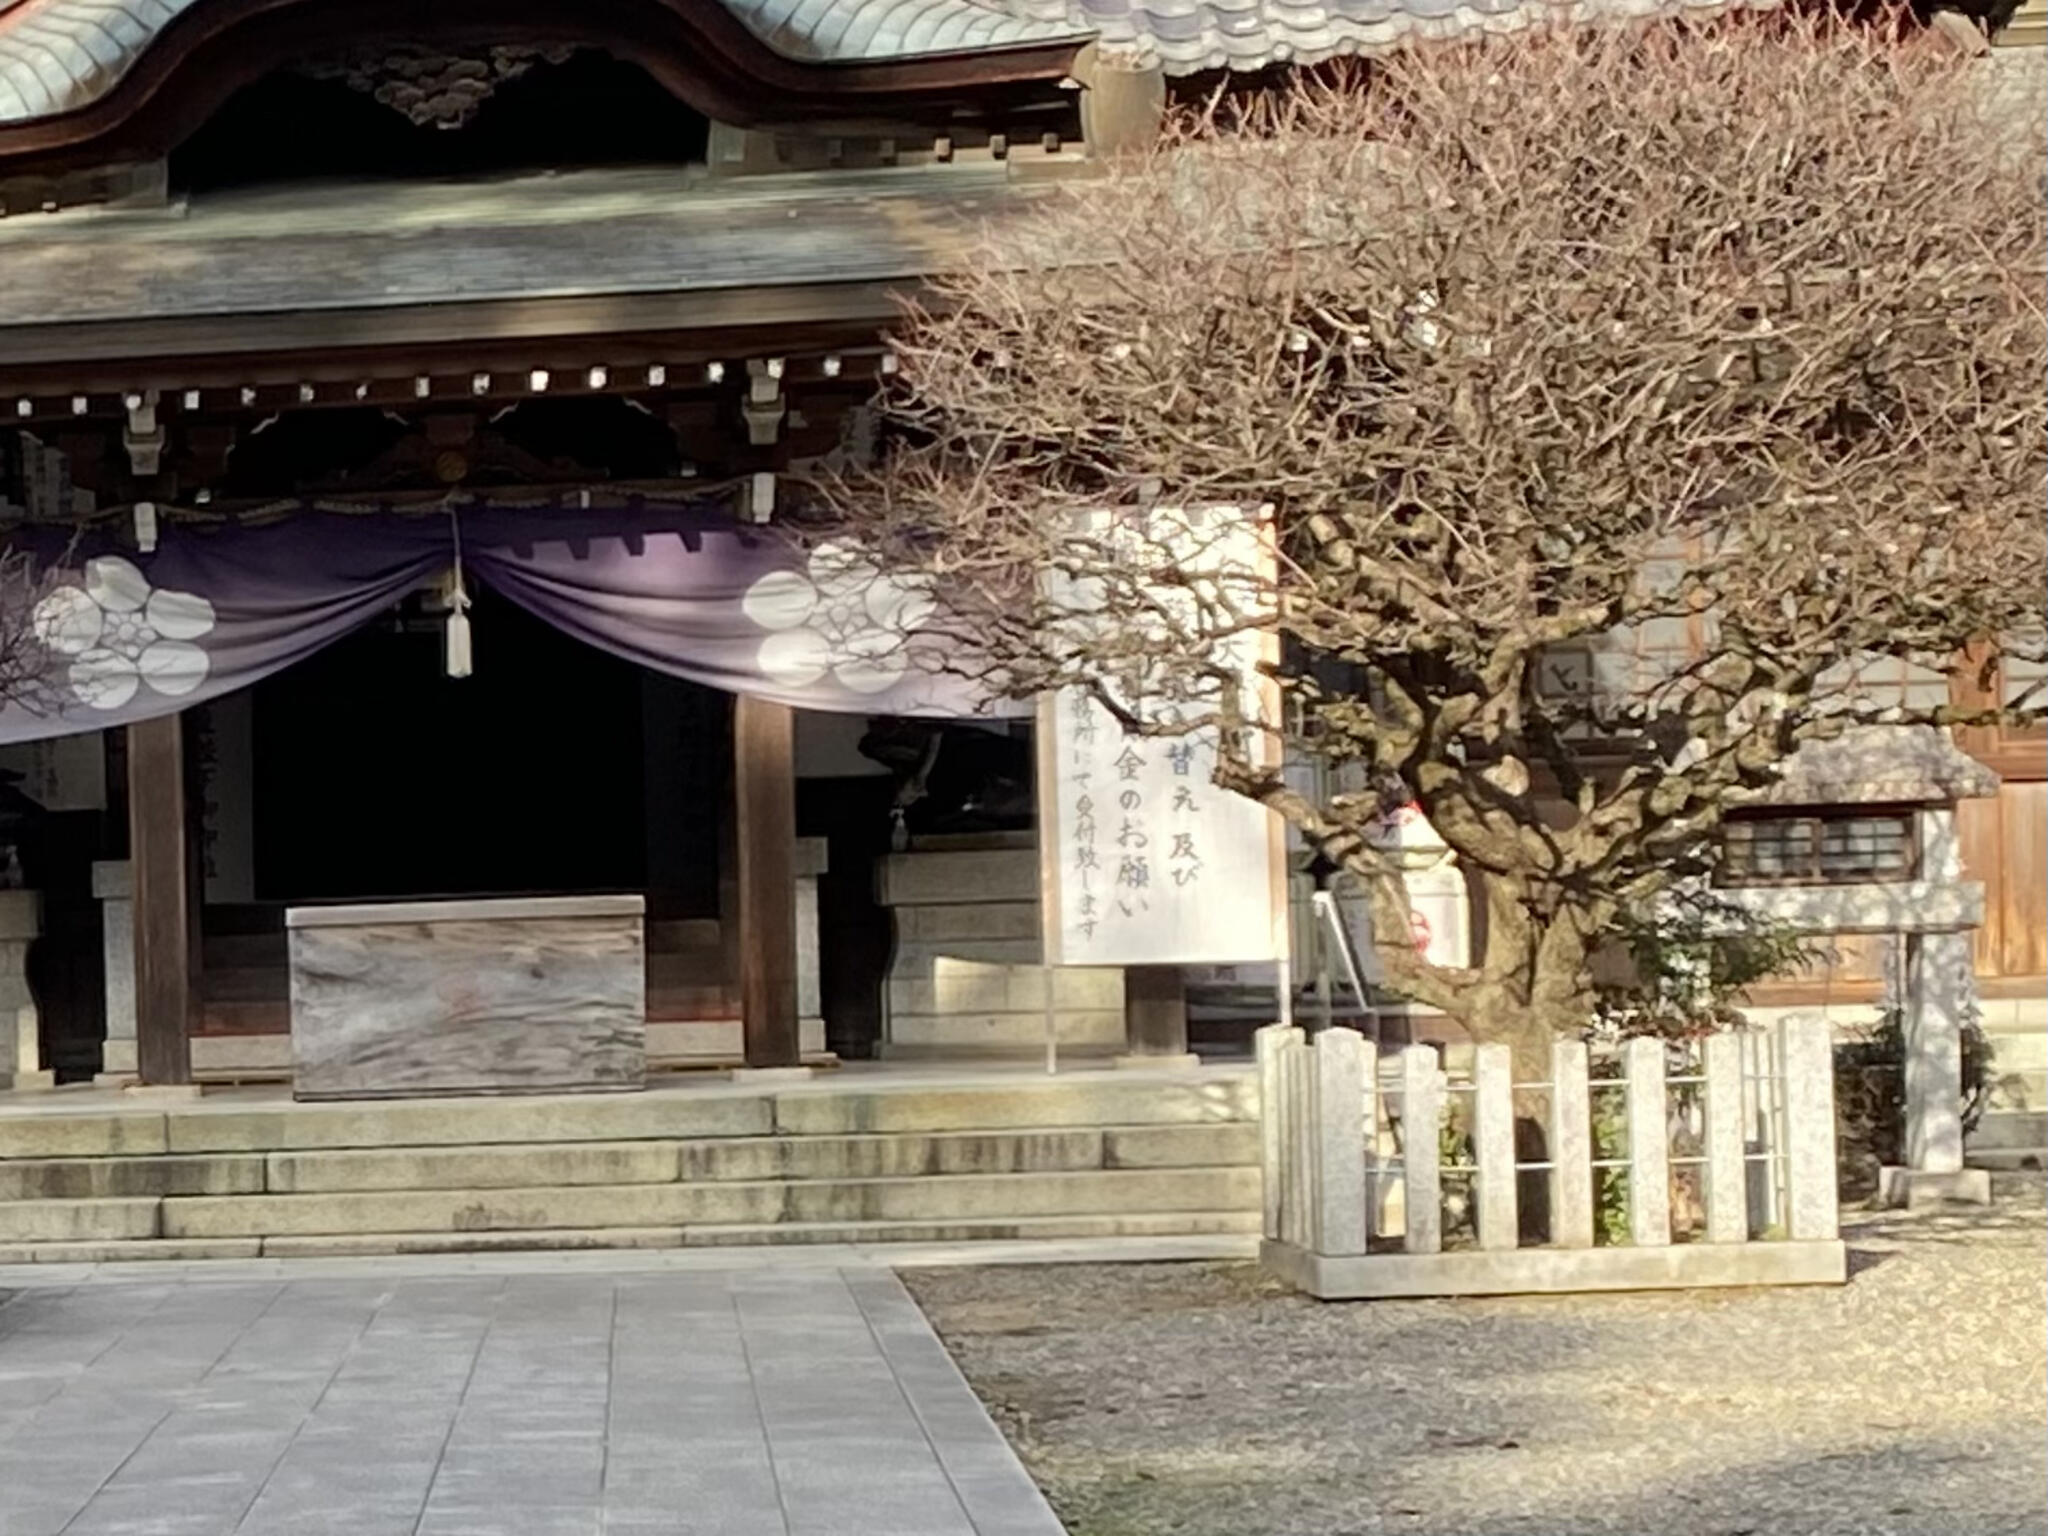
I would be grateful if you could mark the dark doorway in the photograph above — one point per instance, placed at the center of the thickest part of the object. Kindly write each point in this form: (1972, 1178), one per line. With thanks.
(377, 776)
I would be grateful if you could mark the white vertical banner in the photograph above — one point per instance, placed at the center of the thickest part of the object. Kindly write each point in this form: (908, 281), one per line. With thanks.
(1145, 861)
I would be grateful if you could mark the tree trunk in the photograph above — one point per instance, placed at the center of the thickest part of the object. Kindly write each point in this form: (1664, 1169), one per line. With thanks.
(1536, 991)
(1534, 985)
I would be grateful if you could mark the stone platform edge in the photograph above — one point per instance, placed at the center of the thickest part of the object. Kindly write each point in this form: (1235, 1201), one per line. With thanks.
(1553, 1271)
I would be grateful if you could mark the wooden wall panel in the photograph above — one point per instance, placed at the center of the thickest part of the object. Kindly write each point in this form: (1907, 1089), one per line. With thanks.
(2005, 845)
(1850, 969)
(1980, 830)
(764, 812)
(2022, 893)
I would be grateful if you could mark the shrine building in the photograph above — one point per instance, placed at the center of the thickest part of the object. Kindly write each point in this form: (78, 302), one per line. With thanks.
(413, 391)
(410, 394)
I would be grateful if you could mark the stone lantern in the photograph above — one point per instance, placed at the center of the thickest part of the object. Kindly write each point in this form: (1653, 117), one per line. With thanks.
(21, 923)
(1886, 796)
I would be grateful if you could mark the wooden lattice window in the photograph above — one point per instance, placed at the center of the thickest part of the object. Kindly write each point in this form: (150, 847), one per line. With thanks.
(1849, 847)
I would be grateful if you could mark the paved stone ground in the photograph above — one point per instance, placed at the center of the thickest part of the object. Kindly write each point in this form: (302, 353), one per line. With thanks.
(1201, 1400)
(764, 1402)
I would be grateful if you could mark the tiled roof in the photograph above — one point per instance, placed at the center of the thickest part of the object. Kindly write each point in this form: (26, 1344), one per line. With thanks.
(868, 30)
(59, 55)
(1187, 36)
(310, 261)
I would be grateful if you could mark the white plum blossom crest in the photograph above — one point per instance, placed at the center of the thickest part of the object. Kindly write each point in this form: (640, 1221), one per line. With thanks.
(124, 635)
(843, 615)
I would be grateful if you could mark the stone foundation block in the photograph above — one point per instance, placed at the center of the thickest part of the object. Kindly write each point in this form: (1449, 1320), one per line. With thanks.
(1181, 1146)
(1234, 1233)
(102, 1178)
(1012, 1032)
(1041, 1104)
(1682, 1266)
(559, 1239)
(71, 1221)
(470, 1210)
(1039, 1194)
(648, 1162)
(133, 1134)
(1911, 1188)
(455, 1122)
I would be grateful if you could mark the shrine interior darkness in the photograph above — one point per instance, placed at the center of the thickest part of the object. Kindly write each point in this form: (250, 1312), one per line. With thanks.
(564, 441)
(587, 111)
(554, 768)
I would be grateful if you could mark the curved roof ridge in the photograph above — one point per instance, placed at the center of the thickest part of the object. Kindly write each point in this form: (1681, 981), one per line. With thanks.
(871, 31)
(58, 56)
(1182, 37)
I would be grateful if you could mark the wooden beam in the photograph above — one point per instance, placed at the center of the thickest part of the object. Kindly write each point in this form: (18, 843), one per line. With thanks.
(158, 854)
(1155, 1010)
(764, 806)
(226, 351)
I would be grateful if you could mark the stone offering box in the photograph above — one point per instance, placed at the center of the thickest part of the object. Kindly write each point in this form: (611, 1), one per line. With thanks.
(527, 995)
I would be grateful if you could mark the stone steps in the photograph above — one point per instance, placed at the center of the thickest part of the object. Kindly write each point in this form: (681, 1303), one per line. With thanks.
(551, 1164)
(1102, 1156)
(568, 1239)
(981, 1230)
(745, 1207)
(102, 1178)
(732, 1202)
(58, 1221)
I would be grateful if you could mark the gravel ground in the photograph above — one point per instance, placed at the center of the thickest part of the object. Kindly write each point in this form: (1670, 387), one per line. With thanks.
(1204, 1400)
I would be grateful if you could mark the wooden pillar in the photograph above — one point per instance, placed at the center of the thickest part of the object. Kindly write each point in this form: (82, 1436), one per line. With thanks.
(158, 843)
(1155, 1011)
(1121, 110)
(764, 807)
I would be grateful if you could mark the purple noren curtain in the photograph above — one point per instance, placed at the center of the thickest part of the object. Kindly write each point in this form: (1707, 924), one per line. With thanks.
(128, 636)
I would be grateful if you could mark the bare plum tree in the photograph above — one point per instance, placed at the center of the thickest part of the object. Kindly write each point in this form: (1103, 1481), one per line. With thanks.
(1619, 403)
